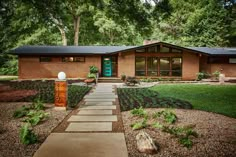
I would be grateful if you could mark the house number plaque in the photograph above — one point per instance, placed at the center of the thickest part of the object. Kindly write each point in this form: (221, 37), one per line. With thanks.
(60, 93)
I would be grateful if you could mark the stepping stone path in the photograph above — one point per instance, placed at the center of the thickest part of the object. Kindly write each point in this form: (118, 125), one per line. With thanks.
(89, 133)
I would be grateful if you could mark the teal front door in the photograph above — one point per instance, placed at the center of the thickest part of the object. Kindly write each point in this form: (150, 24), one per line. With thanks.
(107, 66)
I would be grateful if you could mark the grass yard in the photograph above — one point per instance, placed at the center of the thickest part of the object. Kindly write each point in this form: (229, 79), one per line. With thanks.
(213, 98)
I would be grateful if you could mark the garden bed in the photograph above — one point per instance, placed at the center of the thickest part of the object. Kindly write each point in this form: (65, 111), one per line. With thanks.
(27, 91)
(131, 98)
(217, 134)
(10, 127)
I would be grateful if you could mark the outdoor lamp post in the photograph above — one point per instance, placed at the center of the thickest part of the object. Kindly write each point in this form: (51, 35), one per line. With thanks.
(61, 91)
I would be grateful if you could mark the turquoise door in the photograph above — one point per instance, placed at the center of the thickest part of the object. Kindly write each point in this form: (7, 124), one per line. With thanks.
(107, 66)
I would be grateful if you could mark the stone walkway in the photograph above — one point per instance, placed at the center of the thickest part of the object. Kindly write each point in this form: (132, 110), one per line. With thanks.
(89, 133)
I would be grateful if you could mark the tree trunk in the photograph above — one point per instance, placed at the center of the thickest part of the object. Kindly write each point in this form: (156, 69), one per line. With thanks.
(61, 27)
(63, 36)
(76, 30)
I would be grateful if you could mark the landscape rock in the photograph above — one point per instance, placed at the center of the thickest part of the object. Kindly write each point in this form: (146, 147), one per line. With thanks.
(145, 143)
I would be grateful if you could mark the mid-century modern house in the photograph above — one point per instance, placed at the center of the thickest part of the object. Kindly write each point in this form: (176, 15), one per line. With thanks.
(152, 60)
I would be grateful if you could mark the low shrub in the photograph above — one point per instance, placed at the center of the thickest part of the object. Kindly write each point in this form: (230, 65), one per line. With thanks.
(34, 117)
(131, 98)
(45, 91)
(76, 94)
(27, 136)
(202, 75)
(182, 133)
(21, 112)
(169, 116)
(140, 112)
(139, 125)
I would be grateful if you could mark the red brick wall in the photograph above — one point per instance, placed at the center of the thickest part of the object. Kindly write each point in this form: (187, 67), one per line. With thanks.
(126, 64)
(228, 69)
(190, 66)
(31, 67)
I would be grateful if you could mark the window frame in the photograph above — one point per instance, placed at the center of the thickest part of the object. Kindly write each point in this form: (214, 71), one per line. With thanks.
(65, 59)
(41, 59)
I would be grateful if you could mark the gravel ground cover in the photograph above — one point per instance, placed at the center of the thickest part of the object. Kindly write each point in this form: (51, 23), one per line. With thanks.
(10, 145)
(217, 135)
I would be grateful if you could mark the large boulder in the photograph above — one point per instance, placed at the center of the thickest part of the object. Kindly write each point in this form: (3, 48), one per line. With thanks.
(146, 144)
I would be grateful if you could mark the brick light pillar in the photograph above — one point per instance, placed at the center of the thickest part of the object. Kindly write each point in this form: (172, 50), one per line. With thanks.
(61, 91)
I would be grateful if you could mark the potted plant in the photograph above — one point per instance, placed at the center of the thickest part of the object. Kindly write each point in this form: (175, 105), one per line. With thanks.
(93, 69)
(90, 78)
(123, 77)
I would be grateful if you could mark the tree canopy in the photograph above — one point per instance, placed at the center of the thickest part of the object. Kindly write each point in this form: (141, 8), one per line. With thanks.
(117, 22)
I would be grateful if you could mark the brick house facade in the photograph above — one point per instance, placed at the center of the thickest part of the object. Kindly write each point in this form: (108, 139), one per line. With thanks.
(156, 60)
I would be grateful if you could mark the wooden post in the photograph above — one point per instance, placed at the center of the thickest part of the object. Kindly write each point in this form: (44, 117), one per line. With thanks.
(60, 93)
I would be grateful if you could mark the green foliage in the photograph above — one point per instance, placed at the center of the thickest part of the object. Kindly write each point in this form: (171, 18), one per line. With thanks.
(10, 67)
(27, 136)
(131, 98)
(123, 77)
(38, 104)
(91, 75)
(93, 69)
(216, 74)
(202, 75)
(35, 116)
(157, 125)
(140, 112)
(206, 23)
(21, 112)
(139, 125)
(186, 142)
(218, 99)
(182, 133)
(131, 81)
(76, 94)
(168, 116)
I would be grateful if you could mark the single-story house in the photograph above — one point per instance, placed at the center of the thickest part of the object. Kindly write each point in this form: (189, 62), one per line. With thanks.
(154, 60)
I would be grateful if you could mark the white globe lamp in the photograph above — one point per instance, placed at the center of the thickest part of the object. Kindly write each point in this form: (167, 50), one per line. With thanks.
(61, 75)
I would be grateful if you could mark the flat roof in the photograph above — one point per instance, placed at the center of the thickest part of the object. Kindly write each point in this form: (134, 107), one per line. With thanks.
(68, 50)
(215, 51)
(91, 50)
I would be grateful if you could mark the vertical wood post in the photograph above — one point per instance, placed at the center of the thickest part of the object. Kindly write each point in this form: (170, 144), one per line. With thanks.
(61, 93)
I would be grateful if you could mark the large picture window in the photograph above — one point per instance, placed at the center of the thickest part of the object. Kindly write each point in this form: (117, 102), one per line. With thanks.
(140, 66)
(154, 66)
(176, 67)
(152, 63)
(164, 66)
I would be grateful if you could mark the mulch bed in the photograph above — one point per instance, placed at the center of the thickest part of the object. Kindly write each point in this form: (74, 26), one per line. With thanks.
(10, 145)
(7, 94)
(217, 135)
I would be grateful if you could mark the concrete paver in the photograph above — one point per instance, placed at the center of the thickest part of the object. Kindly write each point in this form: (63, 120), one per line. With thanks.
(98, 103)
(95, 112)
(91, 126)
(99, 100)
(103, 118)
(104, 107)
(100, 96)
(83, 145)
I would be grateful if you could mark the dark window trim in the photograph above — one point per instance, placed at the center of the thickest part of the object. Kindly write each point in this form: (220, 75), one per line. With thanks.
(158, 66)
(232, 58)
(41, 60)
(63, 59)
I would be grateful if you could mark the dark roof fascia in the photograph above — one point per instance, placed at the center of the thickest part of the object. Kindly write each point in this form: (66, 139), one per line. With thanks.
(60, 54)
(162, 43)
(217, 55)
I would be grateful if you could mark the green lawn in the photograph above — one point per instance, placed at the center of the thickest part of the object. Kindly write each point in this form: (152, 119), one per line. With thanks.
(213, 98)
